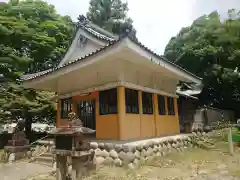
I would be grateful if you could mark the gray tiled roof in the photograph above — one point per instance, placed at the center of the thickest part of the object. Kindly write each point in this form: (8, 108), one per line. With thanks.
(111, 41)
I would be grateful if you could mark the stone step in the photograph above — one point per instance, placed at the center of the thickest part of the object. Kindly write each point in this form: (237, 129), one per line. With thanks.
(48, 154)
(46, 142)
(44, 159)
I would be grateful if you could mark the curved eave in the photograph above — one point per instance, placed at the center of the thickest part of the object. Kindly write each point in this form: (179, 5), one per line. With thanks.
(135, 46)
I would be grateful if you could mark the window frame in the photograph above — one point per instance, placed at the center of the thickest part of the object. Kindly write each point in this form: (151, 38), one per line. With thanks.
(131, 101)
(108, 102)
(161, 105)
(147, 103)
(65, 111)
(171, 106)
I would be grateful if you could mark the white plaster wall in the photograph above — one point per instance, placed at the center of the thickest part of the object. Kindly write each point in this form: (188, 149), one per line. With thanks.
(79, 52)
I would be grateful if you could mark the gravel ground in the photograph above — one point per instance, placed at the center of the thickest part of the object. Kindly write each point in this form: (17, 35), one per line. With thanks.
(21, 170)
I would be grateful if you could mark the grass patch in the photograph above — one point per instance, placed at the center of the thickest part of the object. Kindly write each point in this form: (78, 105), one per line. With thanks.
(188, 164)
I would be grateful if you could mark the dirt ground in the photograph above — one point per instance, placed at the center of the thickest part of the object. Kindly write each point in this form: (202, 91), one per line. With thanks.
(193, 164)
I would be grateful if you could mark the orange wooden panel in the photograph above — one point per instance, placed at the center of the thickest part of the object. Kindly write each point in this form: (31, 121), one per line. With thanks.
(107, 127)
(131, 127)
(148, 126)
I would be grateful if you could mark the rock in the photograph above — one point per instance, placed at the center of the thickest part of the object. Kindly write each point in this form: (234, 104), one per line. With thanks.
(164, 147)
(199, 133)
(100, 160)
(12, 157)
(149, 151)
(101, 146)
(108, 161)
(102, 153)
(94, 145)
(125, 148)
(149, 144)
(159, 147)
(165, 143)
(136, 162)
(155, 148)
(129, 148)
(122, 155)
(126, 157)
(181, 143)
(98, 152)
(131, 166)
(109, 146)
(105, 153)
(133, 148)
(169, 146)
(144, 153)
(29, 154)
(118, 148)
(139, 147)
(137, 154)
(113, 154)
(117, 162)
(130, 156)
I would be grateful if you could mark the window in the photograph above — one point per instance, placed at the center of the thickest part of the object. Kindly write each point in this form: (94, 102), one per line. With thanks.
(65, 107)
(108, 102)
(161, 105)
(170, 105)
(147, 103)
(131, 101)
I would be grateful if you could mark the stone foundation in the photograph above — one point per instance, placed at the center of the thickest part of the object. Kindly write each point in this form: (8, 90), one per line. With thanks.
(131, 155)
(134, 154)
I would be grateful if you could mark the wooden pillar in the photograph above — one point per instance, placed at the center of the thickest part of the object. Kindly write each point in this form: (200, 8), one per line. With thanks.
(121, 110)
(166, 104)
(140, 110)
(58, 113)
(176, 115)
(155, 111)
(74, 106)
(176, 106)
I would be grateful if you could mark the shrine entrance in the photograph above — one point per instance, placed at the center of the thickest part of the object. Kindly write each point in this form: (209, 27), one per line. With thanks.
(87, 113)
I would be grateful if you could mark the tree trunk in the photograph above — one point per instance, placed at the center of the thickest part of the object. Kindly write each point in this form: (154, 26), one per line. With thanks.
(230, 142)
(28, 127)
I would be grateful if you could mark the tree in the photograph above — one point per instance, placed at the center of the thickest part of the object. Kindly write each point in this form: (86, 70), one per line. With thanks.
(111, 15)
(33, 38)
(210, 48)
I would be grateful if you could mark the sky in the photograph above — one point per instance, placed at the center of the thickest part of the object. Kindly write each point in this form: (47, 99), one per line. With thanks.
(156, 21)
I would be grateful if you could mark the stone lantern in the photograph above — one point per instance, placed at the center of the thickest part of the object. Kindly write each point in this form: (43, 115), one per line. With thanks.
(72, 141)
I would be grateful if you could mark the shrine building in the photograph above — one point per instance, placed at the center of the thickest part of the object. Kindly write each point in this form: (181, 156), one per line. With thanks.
(116, 85)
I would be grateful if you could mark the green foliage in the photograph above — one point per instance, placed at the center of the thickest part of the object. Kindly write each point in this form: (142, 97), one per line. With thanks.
(111, 15)
(33, 38)
(210, 48)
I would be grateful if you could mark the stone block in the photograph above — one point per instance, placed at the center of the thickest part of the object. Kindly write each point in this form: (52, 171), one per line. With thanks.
(109, 161)
(117, 162)
(93, 145)
(113, 154)
(118, 148)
